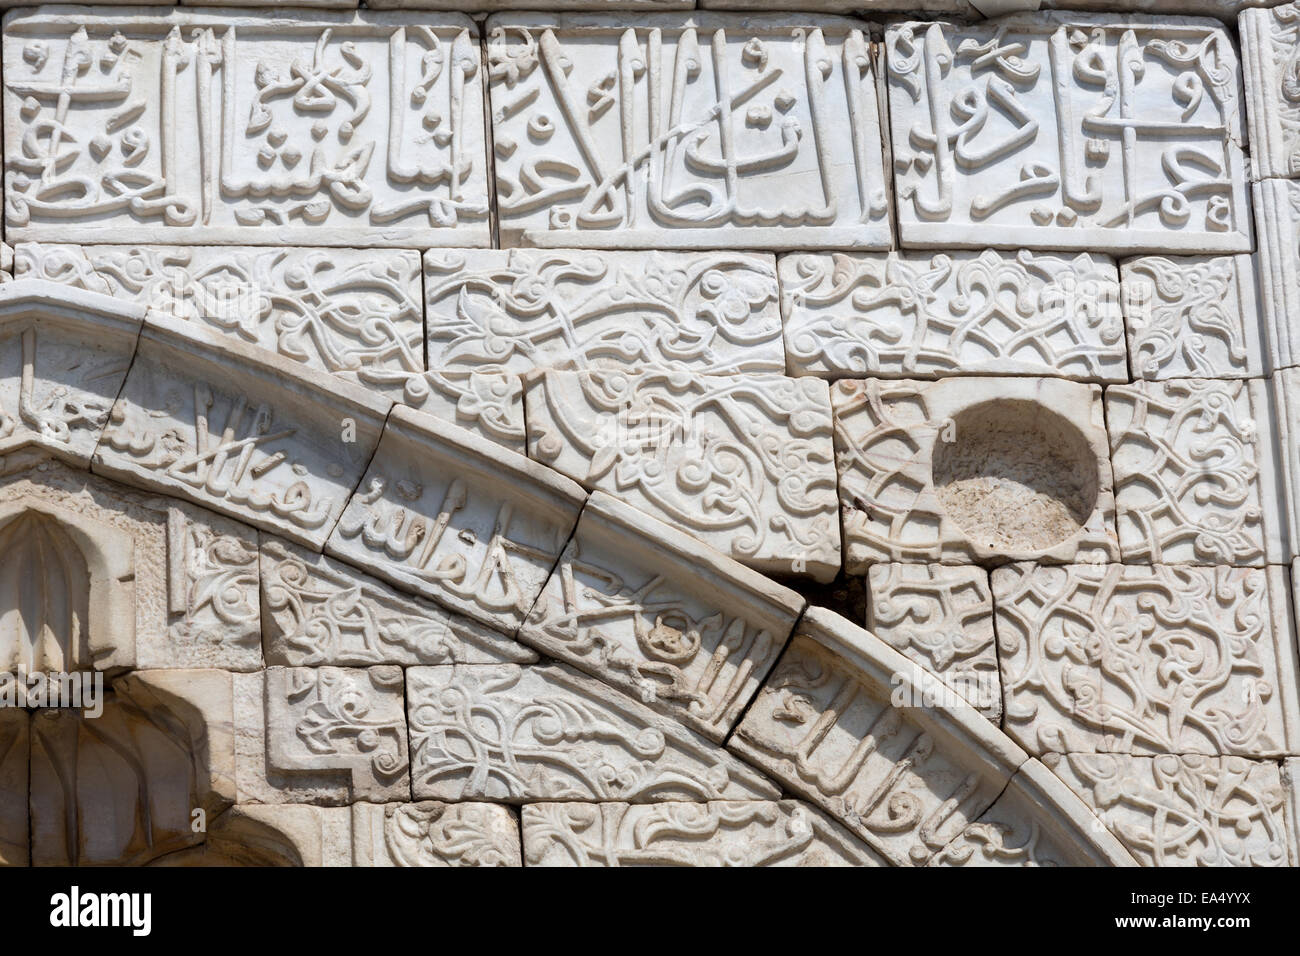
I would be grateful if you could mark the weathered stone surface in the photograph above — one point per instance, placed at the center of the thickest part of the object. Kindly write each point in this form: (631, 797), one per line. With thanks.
(828, 724)
(15, 839)
(121, 788)
(1287, 472)
(435, 834)
(1277, 216)
(1184, 810)
(941, 617)
(455, 518)
(317, 611)
(212, 596)
(1194, 474)
(257, 127)
(516, 310)
(1057, 131)
(1270, 50)
(980, 469)
(344, 720)
(919, 315)
(353, 312)
(701, 131)
(63, 358)
(367, 834)
(742, 462)
(638, 6)
(1291, 781)
(1147, 659)
(133, 580)
(719, 833)
(1016, 831)
(495, 731)
(1193, 317)
(488, 405)
(651, 611)
(240, 430)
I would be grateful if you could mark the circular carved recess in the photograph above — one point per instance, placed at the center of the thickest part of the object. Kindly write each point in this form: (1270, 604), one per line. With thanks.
(1015, 476)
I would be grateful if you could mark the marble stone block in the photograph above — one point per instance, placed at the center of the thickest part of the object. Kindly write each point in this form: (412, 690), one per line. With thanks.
(744, 463)
(455, 518)
(516, 310)
(980, 470)
(240, 430)
(1270, 51)
(917, 315)
(700, 131)
(648, 609)
(1193, 317)
(1195, 479)
(1147, 660)
(521, 734)
(262, 126)
(719, 833)
(1061, 130)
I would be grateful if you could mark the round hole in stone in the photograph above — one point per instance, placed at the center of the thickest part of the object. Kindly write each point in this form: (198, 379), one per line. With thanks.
(1016, 477)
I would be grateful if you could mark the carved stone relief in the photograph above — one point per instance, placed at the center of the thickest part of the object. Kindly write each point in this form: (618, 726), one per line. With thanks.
(963, 470)
(15, 838)
(828, 726)
(1069, 131)
(1193, 317)
(353, 312)
(1270, 50)
(62, 361)
(694, 643)
(941, 617)
(1185, 810)
(517, 310)
(744, 462)
(328, 129)
(1147, 659)
(318, 611)
(1194, 475)
(491, 732)
(913, 314)
(344, 720)
(712, 131)
(238, 428)
(719, 833)
(455, 518)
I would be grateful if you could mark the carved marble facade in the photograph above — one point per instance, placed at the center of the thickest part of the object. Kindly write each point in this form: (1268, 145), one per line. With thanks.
(624, 434)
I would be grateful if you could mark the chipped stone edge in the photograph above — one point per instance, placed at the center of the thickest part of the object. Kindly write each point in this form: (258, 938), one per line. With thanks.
(610, 524)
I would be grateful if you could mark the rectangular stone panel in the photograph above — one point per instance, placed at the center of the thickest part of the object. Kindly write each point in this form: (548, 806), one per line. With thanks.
(1148, 660)
(344, 721)
(1193, 317)
(244, 127)
(1195, 478)
(912, 314)
(516, 310)
(455, 518)
(1097, 132)
(1270, 51)
(1186, 810)
(975, 470)
(521, 734)
(686, 131)
(652, 611)
(353, 312)
(319, 611)
(743, 462)
(718, 833)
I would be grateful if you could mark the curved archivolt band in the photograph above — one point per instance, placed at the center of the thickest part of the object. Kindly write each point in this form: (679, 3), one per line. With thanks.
(677, 673)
